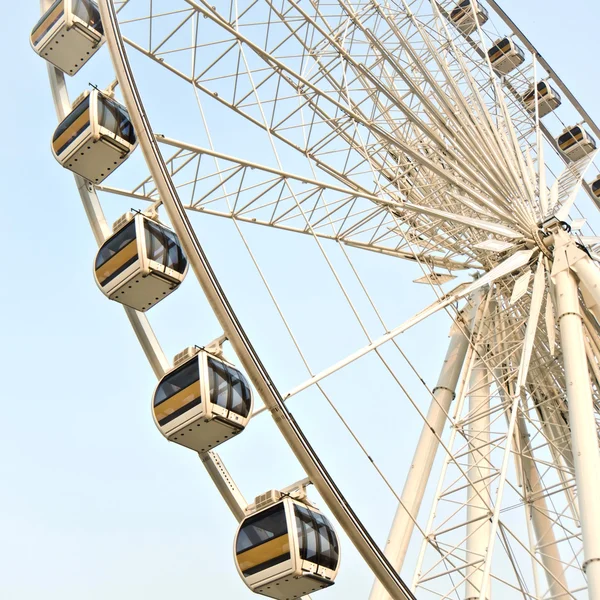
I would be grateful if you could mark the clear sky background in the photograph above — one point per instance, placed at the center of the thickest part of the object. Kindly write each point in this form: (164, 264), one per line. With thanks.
(94, 503)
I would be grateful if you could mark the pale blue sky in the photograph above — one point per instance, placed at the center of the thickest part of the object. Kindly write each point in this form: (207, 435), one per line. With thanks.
(94, 503)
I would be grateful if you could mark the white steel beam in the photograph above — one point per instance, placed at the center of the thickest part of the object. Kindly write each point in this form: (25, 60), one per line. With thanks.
(478, 495)
(584, 434)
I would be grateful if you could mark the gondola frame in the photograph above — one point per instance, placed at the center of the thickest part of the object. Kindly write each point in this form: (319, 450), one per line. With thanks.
(509, 60)
(579, 148)
(546, 104)
(296, 568)
(143, 267)
(69, 21)
(206, 411)
(93, 134)
(467, 22)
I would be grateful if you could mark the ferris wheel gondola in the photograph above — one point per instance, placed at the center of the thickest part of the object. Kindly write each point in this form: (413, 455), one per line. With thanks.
(576, 142)
(141, 263)
(286, 550)
(465, 19)
(202, 402)
(95, 138)
(505, 55)
(68, 34)
(548, 98)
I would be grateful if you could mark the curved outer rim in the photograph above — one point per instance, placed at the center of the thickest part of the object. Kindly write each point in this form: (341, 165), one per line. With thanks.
(232, 328)
(139, 322)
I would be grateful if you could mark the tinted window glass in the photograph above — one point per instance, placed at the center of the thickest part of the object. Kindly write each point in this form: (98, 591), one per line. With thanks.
(116, 243)
(163, 246)
(178, 380)
(82, 108)
(329, 549)
(261, 528)
(219, 383)
(240, 393)
(307, 534)
(88, 12)
(115, 118)
(317, 540)
(228, 387)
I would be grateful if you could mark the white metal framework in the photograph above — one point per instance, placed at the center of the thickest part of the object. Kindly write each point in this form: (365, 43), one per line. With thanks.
(391, 128)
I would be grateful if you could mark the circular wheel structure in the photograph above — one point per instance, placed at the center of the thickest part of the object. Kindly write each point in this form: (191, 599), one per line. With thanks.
(329, 154)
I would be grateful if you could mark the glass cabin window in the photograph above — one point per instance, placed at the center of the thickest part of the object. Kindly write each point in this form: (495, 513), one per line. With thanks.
(263, 527)
(228, 388)
(178, 380)
(564, 138)
(114, 117)
(317, 540)
(163, 247)
(47, 21)
(117, 254)
(329, 551)
(464, 7)
(178, 392)
(72, 126)
(263, 541)
(569, 138)
(88, 12)
(596, 186)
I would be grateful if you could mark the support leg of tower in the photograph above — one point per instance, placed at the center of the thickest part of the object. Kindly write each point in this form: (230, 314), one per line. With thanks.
(584, 434)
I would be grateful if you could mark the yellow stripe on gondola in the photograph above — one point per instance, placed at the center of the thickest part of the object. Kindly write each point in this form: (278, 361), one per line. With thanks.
(264, 553)
(572, 140)
(117, 261)
(178, 400)
(78, 124)
(43, 29)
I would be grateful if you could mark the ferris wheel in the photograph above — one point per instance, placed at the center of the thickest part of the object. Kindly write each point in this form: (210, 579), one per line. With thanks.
(338, 140)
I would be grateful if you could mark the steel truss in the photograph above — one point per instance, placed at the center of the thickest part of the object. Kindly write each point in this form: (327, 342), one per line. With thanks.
(380, 126)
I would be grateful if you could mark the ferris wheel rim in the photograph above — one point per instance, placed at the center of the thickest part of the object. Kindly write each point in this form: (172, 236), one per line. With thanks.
(232, 328)
(103, 1)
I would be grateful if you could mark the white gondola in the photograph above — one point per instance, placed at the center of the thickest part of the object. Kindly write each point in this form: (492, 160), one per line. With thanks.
(202, 402)
(506, 56)
(548, 98)
(141, 263)
(596, 187)
(465, 19)
(68, 34)
(576, 142)
(287, 550)
(95, 138)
